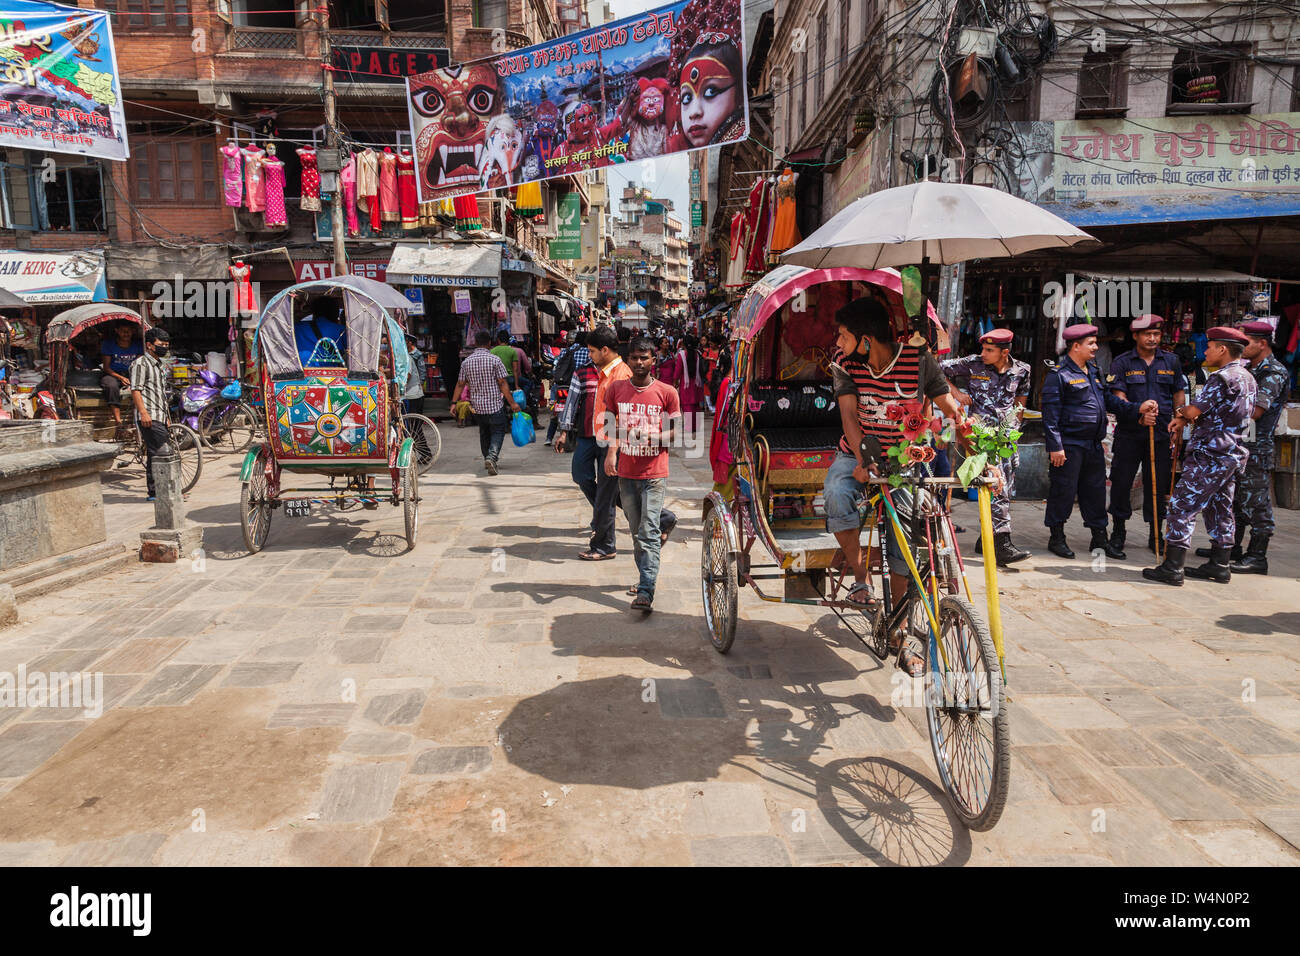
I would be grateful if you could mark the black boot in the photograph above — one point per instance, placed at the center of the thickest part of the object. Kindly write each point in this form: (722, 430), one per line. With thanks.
(1216, 569)
(1255, 560)
(1006, 552)
(1171, 570)
(1056, 542)
(1236, 547)
(1118, 536)
(1099, 540)
(979, 544)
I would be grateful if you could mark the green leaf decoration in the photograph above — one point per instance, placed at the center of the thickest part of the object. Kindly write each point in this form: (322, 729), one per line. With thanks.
(895, 480)
(1014, 435)
(971, 469)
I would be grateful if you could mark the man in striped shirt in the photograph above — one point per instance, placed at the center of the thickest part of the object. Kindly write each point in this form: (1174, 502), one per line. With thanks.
(873, 372)
(149, 395)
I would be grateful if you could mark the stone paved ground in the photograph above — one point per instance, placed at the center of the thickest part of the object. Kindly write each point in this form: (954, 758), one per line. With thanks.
(489, 699)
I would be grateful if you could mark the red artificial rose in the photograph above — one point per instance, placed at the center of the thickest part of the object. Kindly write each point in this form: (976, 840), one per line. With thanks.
(916, 454)
(914, 426)
(895, 411)
(929, 454)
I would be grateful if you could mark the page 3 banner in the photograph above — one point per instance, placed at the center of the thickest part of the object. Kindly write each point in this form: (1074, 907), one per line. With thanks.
(59, 89)
(666, 81)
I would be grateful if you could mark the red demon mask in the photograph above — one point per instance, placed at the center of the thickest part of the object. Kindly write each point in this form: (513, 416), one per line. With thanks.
(453, 106)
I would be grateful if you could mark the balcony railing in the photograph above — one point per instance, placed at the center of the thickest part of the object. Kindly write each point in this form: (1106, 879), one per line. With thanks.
(402, 40)
(264, 39)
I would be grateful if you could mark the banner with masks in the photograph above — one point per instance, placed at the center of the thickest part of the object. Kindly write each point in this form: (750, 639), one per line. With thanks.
(666, 81)
(59, 89)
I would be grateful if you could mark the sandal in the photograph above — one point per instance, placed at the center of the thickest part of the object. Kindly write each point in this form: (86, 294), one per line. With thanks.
(597, 555)
(634, 590)
(909, 662)
(870, 604)
(641, 602)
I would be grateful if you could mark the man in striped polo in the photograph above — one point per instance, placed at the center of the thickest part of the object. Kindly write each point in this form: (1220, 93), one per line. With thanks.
(874, 371)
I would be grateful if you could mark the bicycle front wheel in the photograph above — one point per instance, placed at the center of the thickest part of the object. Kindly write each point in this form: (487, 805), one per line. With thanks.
(425, 440)
(190, 448)
(966, 713)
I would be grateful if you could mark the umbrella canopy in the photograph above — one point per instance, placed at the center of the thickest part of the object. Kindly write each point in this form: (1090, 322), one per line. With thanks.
(943, 222)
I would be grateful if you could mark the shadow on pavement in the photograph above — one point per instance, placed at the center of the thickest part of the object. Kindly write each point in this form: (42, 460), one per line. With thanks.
(1284, 622)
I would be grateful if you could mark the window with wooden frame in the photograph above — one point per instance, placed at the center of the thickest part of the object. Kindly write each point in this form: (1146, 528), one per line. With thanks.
(134, 15)
(493, 14)
(1020, 102)
(1103, 85)
(846, 7)
(1218, 82)
(174, 170)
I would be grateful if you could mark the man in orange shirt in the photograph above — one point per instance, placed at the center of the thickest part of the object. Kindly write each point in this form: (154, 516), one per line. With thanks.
(602, 343)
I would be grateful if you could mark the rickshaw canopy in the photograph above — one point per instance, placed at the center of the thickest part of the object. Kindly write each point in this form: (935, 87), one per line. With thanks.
(368, 307)
(68, 325)
(768, 294)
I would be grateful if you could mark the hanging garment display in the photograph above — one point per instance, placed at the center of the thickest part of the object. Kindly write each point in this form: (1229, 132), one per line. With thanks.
(528, 203)
(736, 263)
(310, 180)
(785, 232)
(348, 182)
(467, 214)
(388, 209)
(276, 214)
(757, 223)
(368, 186)
(428, 215)
(518, 317)
(406, 200)
(254, 178)
(232, 174)
(245, 302)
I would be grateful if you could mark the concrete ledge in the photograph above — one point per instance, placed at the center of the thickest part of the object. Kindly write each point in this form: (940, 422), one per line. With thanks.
(19, 469)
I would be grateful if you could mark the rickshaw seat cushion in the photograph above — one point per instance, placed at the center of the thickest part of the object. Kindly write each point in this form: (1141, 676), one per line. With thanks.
(794, 405)
(800, 439)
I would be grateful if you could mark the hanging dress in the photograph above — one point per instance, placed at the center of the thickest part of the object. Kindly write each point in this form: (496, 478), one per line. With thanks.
(368, 186)
(388, 211)
(310, 180)
(245, 303)
(785, 233)
(756, 223)
(276, 215)
(406, 198)
(736, 264)
(254, 178)
(467, 213)
(232, 174)
(348, 179)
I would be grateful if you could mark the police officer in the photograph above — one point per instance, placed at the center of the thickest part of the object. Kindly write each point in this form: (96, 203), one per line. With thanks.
(1075, 404)
(1143, 373)
(1253, 498)
(1215, 456)
(997, 386)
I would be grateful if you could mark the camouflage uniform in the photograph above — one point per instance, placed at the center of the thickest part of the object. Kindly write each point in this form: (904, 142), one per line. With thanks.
(1253, 498)
(993, 395)
(1215, 456)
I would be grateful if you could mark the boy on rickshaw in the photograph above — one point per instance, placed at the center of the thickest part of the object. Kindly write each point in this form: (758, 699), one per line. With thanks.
(118, 353)
(871, 372)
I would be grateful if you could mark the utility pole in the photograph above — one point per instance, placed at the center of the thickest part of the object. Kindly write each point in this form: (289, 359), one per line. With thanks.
(332, 142)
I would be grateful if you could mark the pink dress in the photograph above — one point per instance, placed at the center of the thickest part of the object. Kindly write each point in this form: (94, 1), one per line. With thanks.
(348, 178)
(232, 172)
(275, 211)
(388, 204)
(690, 385)
(254, 178)
(310, 180)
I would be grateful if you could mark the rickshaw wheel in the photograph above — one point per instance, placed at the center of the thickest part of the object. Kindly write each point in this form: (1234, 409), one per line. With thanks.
(966, 713)
(718, 583)
(411, 502)
(189, 446)
(255, 509)
(427, 443)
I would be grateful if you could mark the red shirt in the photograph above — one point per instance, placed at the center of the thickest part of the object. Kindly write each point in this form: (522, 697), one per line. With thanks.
(642, 437)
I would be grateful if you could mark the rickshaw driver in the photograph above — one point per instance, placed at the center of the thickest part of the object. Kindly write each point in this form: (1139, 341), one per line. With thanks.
(874, 370)
(118, 352)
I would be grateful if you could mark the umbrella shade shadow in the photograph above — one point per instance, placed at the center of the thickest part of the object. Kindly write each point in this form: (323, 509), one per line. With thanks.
(1284, 622)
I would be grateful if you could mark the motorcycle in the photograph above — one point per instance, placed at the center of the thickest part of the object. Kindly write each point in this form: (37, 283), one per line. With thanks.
(195, 398)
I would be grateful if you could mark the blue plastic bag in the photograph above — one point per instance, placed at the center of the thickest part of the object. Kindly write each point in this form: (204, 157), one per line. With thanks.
(233, 390)
(521, 429)
(518, 396)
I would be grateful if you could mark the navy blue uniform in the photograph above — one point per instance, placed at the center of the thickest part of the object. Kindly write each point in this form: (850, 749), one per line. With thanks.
(1075, 404)
(1131, 448)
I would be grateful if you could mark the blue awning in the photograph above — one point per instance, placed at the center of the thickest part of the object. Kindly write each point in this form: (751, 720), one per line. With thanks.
(1144, 209)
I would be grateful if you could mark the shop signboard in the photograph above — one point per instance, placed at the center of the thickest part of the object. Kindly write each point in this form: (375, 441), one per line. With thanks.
(308, 270)
(606, 279)
(60, 91)
(666, 81)
(385, 64)
(568, 241)
(697, 214)
(45, 277)
(416, 297)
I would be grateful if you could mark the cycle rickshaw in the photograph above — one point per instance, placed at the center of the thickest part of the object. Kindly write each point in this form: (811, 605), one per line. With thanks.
(783, 427)
(338, 415)
(77, 392)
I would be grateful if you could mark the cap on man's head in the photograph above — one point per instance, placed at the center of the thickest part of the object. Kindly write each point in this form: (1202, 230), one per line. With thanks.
(1259, 329)
(999, 337)
(1224, 333)
(1146, 322)
(1073, 333)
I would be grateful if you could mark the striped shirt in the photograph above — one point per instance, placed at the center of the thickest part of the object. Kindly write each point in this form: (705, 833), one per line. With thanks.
(149, 378)
(912, 376)
(582, 395)
(481, 371)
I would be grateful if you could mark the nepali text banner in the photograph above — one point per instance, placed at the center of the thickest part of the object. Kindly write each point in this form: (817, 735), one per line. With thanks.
(59, 89)
(666, 81)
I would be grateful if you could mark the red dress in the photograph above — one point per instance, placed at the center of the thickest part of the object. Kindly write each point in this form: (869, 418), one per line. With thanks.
(310, 180)
(406, 199)
(759, 226)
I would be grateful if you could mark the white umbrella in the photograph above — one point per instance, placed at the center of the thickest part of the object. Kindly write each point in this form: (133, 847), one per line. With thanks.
(943, 223)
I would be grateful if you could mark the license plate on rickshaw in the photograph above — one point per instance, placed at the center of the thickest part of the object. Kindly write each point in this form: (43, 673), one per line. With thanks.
(297, 509)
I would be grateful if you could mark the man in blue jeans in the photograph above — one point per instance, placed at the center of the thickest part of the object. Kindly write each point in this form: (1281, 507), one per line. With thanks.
(483, 383)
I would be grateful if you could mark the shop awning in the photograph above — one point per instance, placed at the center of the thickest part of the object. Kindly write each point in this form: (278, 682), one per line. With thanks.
(554, 304)
(10, 301)
(1170, 275)
(126, 263)
(466, 265)
(43, 277)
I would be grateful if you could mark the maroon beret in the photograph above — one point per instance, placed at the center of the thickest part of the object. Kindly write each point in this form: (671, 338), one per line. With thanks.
(1000, 337)
(1075, 332)
(1224, 333)
(1145, 322)
(1258, 329)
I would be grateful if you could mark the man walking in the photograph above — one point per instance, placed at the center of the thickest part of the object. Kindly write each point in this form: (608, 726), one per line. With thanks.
(483, 382)
(1253, 497)
(644, 409)
(1215, 456)
(577, 422)
(1143, 373)
(996, 386)
(1074, 423)
(602, 344)
(149, 395)
(566, 366)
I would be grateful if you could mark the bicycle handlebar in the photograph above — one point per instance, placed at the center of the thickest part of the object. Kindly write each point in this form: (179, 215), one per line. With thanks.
(911, 480)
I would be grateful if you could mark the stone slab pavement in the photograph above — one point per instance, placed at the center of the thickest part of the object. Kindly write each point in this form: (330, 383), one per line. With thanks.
(489, 699)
